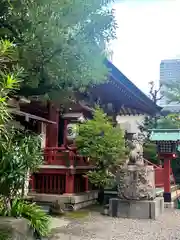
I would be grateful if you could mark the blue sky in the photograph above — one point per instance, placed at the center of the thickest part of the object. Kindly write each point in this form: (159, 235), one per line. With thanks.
(149, 31)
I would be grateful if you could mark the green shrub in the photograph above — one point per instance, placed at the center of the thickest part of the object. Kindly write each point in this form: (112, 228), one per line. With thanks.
(39, 221)
(4, 235)
(150, 152)
(104, 144)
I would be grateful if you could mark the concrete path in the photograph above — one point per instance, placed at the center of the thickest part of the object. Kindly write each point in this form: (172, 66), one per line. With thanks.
(98, 227)
(57, 223)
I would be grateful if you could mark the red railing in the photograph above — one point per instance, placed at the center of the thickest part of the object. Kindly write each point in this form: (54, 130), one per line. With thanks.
(159, 177)
(159, 173)
(63, 156)
(56, 183)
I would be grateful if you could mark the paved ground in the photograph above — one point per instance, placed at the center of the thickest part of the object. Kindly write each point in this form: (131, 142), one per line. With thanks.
(98, 227)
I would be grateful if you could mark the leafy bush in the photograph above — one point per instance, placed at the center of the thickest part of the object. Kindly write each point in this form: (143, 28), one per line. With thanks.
(20, 154)
(103, 144)
(101, 178)
(38, 219)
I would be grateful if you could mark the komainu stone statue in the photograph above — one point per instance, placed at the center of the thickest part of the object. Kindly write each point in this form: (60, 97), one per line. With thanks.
(136, 181)
(136, 152)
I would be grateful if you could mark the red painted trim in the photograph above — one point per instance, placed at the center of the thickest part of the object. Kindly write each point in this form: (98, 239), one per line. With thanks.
(55, 148)
(167, 155)
(52, 171)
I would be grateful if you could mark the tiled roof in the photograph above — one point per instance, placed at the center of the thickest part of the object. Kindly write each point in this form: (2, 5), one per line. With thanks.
(120, 91)
(165, 135)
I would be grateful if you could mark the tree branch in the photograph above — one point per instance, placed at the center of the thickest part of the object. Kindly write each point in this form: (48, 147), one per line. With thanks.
(154, 92)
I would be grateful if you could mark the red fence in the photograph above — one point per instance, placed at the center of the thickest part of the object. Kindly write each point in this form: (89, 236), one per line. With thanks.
(62, 156)
(50, 183)
(159, 174)
(56, 183)
(59, 181)
(159, 177)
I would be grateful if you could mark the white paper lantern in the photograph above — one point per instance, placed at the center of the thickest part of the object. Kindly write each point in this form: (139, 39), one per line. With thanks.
(72, 131)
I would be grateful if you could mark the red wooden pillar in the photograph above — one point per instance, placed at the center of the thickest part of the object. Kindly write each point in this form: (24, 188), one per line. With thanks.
(86, 184)
(167, 183)
(52, 129)
(69, 183)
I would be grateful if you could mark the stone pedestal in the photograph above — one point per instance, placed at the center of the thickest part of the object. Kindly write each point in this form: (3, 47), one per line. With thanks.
(136, 183)
(142, 209)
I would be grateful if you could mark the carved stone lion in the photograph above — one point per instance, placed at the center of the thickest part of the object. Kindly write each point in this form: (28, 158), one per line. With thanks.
(136, 152)
(136, 181)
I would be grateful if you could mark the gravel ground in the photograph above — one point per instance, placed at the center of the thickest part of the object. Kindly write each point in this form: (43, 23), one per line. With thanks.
(98, 227)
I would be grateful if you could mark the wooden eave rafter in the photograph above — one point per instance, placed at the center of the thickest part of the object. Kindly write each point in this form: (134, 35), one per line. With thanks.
(29, 116)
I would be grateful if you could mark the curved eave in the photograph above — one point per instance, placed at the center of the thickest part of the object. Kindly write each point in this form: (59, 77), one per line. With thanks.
(144, 103)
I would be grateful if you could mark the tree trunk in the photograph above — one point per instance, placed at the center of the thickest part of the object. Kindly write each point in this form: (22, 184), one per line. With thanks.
(7, 205)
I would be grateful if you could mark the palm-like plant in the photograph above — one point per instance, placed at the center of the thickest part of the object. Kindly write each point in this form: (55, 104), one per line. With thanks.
(8, 83)
(9, 78)
(19, 153)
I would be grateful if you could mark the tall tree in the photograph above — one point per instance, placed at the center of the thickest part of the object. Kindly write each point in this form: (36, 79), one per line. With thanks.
(154, 92)
(62, 44)
(150, 122)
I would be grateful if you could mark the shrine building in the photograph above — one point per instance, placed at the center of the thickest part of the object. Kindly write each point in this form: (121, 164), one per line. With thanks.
(62, 176)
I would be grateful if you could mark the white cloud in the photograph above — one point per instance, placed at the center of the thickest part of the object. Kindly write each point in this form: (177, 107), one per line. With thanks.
(148, 32)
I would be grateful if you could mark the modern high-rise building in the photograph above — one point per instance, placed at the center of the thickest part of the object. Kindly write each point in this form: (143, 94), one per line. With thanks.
(169, 71)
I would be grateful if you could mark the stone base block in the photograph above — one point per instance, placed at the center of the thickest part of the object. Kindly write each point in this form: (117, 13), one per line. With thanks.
(142, 209)
(136, 182)
(169, 205)
(71, 201)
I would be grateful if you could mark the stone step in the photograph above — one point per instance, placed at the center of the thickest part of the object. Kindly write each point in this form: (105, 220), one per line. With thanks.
(174, 196)
(160, 191)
